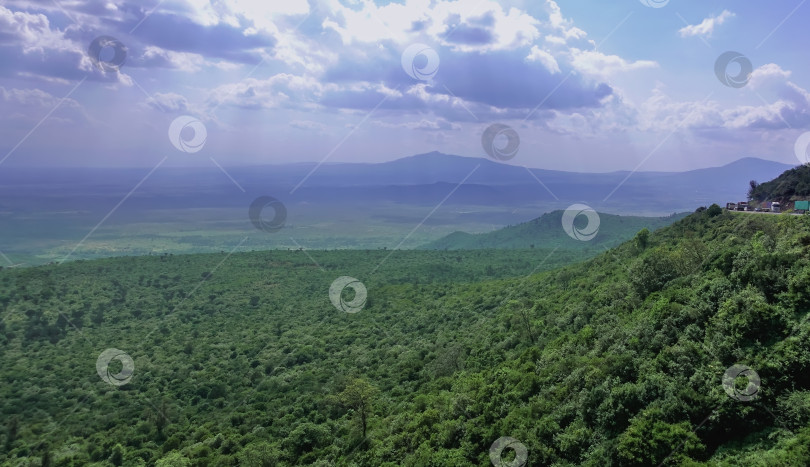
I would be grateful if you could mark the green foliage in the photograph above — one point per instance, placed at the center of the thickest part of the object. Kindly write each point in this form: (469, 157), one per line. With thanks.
(359, 396)
(261, 454)
(714, 210)
(792, 184)
(650, 440)
(642, 238)
(243, 360)
(653, 271)
(752, 188)
(174, 459)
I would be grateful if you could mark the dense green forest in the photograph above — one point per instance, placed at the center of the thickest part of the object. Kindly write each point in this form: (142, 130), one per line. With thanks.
(793, 184)
(545, 231)
(242, 360)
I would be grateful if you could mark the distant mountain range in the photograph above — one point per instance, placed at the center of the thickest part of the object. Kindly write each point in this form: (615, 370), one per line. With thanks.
(49, 214)
(547, 232)
(423, 179)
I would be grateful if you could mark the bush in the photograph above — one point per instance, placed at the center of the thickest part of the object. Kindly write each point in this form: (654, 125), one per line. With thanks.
(650, 441)
(653, 272)
(714, 210)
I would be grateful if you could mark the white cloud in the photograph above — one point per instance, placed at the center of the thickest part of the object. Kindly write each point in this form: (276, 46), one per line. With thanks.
(440, 124)
(265, 9)
(790, 109)
(615, 116)
(308, 125)
(562, 25)
(18, 104)
(707, 26)
(183, 61)
(156, 56)
(32, 32)
(597, 64)
(279, 90)
(545, 58)
(263, 14)
(462, 25)
(32, 97)
(766, 74)
(775, 104)
(345, 58)
(169, 102)
(357, 78)
(662, 113)
(47, 53)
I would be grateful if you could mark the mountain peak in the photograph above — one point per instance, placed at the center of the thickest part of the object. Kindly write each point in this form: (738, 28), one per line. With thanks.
(757, 161)
(435, 155)
(435, 160)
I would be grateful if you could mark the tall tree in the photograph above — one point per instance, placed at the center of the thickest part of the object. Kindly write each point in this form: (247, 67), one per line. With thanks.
(359, 395)
(12, 429)
(523, 311)
(752, 188)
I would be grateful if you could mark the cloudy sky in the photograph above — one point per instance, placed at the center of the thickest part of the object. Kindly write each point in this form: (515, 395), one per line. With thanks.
(587, 85)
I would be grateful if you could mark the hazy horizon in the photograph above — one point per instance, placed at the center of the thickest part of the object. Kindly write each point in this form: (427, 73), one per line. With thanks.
(203, 165)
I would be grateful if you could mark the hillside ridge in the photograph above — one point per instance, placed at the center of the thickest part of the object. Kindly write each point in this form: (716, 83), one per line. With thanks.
(547, 231)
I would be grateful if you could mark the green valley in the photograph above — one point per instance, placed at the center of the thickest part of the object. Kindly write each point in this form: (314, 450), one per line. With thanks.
(242, 360)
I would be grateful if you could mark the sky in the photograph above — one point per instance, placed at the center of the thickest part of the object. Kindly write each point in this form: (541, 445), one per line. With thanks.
(577, 85)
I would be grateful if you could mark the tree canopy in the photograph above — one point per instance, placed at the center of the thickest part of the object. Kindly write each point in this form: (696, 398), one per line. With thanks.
(243, 360)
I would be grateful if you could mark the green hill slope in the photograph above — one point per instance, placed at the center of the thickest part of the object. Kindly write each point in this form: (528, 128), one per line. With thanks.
(243, 360)
(546, 232)
(793, 184)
